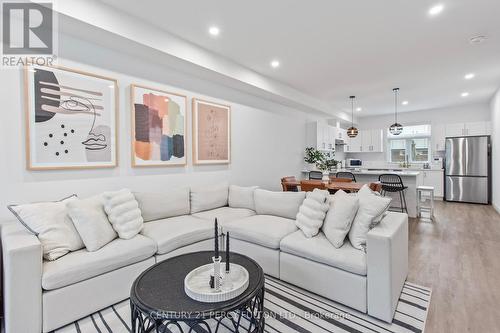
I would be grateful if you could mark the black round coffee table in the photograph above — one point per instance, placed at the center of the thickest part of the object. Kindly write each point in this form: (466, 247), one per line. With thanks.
(159, 303)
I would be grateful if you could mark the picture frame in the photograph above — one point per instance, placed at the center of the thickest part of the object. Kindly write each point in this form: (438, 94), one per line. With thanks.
(71, 119)
(211, 132)
(158, 126)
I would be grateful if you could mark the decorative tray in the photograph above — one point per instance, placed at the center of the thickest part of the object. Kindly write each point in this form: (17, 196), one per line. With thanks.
(197, 283)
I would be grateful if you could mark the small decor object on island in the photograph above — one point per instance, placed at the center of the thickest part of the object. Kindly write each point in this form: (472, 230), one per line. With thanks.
(158, 127)
(396, 128)
(211, 133)
(71, 119)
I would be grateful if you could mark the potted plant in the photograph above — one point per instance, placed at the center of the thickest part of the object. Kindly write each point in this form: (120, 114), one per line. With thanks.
(312, 157)
(326, 165)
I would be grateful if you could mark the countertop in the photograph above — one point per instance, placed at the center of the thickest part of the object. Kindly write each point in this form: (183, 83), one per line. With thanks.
(409, 173)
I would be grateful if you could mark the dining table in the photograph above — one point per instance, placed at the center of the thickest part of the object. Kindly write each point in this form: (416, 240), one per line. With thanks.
(333, 186)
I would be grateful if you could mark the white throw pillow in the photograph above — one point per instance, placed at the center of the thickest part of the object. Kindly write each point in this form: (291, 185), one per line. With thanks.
(123, 213)
(338, 221)
(283, 204)
(209, 197)
(371, 208)
(242, 197)
(312, 212)
(155, 206)
(90, 220)
(50, 222)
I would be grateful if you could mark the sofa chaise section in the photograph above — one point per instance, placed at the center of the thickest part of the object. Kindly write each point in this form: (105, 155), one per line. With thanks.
(370, 282)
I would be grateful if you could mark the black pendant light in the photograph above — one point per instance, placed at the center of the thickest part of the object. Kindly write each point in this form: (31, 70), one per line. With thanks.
(396, 128)
(352, 131)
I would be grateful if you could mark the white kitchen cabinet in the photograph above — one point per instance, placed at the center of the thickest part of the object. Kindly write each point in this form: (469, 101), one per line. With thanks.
(320, 136)
(367, 141)
(341, 134)
(468, 129)
(434, 178)
(438, 137)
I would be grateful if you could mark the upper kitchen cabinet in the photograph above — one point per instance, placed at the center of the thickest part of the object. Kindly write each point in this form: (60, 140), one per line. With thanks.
(438, 137)
(468, 129)
(320, 135)
(367, 141)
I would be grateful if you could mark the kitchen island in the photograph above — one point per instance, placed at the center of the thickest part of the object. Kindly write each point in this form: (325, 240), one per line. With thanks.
(411, 179)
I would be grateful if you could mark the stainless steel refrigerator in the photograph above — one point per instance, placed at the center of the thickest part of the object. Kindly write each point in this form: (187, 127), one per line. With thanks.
(467, 169)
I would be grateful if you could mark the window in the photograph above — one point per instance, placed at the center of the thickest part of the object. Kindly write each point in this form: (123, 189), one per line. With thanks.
(412, 145)
(398, 150)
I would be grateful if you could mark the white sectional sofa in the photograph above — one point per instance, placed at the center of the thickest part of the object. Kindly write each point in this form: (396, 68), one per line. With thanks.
(40, 296)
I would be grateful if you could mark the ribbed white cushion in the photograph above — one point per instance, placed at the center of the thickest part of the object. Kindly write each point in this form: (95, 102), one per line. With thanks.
(242, 197)
(371, 208)
(338, 221)
(50, 222)
(209, 197)
(155, 206)
(123, 213)
(90, 220)
(283, 204)
(312, 212)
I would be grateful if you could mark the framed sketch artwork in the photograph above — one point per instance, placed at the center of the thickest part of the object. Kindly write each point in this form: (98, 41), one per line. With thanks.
(71, 119)
(158, 127)
(211, 133)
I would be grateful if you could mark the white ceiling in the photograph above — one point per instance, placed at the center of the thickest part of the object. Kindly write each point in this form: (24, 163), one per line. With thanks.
(331, 49)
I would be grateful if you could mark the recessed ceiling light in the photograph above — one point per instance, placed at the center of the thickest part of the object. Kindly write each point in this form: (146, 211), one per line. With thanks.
(435, 10)
(469, 76)
(478, 39)
(359, 109)
(275, 64)
(404, 102)
(214, 31)
(465, 94)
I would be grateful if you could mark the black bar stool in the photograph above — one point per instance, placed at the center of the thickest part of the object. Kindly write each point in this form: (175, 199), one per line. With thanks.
(316, 175)
(346, 174)
(393, 183)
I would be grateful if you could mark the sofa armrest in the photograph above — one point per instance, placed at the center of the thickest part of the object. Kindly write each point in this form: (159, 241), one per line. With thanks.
(387, 264)
(22, 279)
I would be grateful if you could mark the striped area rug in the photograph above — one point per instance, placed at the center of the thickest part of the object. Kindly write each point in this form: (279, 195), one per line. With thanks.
(290, 309)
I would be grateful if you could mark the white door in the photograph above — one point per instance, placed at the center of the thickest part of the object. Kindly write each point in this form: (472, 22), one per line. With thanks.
(456, 129)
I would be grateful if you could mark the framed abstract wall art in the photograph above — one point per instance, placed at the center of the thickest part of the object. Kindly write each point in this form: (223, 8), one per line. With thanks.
(71, 119)
(211, 132)
(158, 127)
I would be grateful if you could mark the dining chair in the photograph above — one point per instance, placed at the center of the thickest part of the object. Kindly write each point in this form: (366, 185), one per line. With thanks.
(346, 174)
(393, 183)
(310, 185)
(288, 187)
(318, 175)
(334, 179)
(376, 187)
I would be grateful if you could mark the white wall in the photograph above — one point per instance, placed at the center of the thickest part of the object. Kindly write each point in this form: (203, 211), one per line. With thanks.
(456, 114)
(267, 140)
(495, 131)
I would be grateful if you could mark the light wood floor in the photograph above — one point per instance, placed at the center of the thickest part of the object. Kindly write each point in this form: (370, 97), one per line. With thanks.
(458, 256)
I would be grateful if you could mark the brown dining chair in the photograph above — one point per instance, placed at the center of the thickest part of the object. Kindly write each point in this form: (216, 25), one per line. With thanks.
(334, 179)
(376, 187)
(289, 187)
(310, 185)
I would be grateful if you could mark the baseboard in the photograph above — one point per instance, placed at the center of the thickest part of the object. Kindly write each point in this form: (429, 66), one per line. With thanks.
(497, 208)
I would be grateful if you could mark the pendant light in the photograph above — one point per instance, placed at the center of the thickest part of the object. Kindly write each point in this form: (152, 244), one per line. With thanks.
(396, 128)
(352, 131)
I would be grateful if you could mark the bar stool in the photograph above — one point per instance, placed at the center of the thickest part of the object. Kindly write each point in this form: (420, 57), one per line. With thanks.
(422, 208)
(393, 183)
